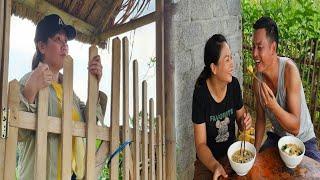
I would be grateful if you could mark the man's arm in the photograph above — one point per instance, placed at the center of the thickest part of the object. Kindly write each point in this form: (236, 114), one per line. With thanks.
(289, 118)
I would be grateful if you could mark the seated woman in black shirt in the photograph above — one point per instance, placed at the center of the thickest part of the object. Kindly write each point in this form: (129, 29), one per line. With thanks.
(217, 105)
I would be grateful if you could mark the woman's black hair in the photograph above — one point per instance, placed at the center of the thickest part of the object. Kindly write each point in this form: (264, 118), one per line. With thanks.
(37, 57)
(212, 53)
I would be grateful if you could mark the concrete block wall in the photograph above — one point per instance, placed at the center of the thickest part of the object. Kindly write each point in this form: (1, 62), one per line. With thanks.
(188, 24)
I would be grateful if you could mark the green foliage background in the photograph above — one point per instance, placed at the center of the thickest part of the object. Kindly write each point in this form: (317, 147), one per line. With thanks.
(298, 22)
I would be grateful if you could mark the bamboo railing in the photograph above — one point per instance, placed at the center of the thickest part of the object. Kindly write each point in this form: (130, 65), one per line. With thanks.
(142, 160)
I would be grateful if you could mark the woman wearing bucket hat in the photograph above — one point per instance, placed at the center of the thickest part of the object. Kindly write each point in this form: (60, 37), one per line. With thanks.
(51, 40)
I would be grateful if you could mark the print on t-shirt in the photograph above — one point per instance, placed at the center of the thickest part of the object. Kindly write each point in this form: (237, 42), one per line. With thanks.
(223, 133)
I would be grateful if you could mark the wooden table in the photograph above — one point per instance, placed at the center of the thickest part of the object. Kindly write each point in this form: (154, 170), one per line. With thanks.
(269, 165)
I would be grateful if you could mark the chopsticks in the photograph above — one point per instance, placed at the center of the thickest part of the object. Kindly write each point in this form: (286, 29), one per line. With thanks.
(250, 70)
(244, 136)
(244, 141)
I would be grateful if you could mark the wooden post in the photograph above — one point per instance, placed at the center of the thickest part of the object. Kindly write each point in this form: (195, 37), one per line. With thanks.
(136, 138)
(115, 105)
(125, 91)
(91, 118)
(5, 15)
(3, 90)
(151, 140)
(41, 135)
(144, 132)
(5, 52)
(169, 118)
(67, 118)
(11, 143)
(159, 148)
(160, 69)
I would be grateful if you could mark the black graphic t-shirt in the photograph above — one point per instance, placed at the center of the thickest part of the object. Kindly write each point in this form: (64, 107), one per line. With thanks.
(219, 117)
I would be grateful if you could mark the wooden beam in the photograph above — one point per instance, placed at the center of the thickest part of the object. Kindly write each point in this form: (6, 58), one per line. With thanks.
(169, 102)
(26, 120)
(3, 89)
(46, 8)
(131, 25)
(160, 77)
(5, 39)
(2, 28)
(5, 55)
(91, 118)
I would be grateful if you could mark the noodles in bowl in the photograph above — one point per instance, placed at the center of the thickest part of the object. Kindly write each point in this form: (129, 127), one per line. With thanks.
(242, 157)
(241, 165)
(291, 150)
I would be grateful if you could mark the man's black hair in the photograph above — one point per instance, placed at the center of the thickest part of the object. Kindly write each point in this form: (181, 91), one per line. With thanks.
(270, 26)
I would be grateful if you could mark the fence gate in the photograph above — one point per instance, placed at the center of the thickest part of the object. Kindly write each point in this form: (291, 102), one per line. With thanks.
(143, 159)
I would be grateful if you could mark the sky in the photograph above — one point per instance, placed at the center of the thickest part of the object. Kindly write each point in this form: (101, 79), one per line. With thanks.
(141, 48)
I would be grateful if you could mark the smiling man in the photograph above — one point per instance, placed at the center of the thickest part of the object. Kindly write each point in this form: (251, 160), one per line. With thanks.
(280, 95)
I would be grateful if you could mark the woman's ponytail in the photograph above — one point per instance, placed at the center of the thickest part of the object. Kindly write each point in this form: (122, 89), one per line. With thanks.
(37, 57)
(204, 75)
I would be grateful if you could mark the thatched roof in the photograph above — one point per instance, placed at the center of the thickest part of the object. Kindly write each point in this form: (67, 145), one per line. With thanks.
(91, 18)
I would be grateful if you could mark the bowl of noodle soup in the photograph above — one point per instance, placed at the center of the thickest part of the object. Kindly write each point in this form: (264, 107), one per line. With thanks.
(241, 163)
(291, 150)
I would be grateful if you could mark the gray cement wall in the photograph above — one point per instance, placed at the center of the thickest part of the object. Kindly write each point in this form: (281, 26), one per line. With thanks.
(188, 24)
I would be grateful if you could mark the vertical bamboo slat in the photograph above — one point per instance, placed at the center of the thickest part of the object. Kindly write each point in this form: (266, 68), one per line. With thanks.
(11, 143)
(306, 59)
(91, 118)
(67, 117)
(159, 149)
(136, 144)
(309, 62)
(144, 132)
(115, 105)
(164, 150)
(125, 89)
(151, 140)
(41, 135)
(314, 84)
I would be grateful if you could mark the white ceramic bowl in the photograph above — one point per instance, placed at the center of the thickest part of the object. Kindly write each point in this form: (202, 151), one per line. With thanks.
(241, 168)
(291, 161)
